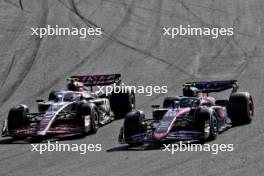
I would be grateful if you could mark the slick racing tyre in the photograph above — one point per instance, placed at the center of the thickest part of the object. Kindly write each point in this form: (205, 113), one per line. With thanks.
(122, 103)
(240, 108)
(206, 121)
(88, 116)
(133, 124)
(170, 101)
(17, 118)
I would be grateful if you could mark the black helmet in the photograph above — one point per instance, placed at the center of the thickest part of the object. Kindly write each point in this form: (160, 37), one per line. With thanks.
(71, 86)
(190, 91)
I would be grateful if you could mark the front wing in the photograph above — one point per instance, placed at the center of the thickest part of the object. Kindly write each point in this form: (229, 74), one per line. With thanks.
(172, 136)
(32, 131)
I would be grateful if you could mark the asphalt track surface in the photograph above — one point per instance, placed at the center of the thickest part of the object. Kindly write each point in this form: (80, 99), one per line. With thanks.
(132, 44)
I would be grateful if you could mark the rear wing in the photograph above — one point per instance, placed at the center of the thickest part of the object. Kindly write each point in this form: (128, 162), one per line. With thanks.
(93, 80)
(213, 86)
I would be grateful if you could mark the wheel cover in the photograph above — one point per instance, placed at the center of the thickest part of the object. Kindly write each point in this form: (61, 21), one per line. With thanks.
(96, 120)
(214, 125)
(133, 101)
(251, 107)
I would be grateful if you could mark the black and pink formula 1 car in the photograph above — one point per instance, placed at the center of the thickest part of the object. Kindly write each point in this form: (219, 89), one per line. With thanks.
(193, 116)
(78, 110)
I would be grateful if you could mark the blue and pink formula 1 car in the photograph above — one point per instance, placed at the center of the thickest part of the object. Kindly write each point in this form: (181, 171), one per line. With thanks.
(193, 116)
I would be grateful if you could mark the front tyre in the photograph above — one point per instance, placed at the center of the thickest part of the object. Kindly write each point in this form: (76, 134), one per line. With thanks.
(133, 124)
(94, 122)
(213, 127)
(88, 116)
(17, 118)
(207, 123)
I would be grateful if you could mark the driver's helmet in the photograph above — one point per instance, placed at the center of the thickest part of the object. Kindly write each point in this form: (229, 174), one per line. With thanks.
(76, 86)
(71, 86)
(190, 91)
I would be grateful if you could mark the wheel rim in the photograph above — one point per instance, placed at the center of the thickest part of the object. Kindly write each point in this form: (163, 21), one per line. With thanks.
(132, 101)
(251, 107)
(96, 120)
(214, 125)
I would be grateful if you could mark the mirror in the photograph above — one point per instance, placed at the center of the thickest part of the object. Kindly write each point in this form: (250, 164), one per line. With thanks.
(39, 101)
(155, 106)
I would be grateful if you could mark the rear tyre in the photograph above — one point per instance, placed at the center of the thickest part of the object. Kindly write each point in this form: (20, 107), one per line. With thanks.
(207, 122)
(122, 103)
(240, 108)
(89, 117)
(170, 101)
(17, 118)
(133, 124)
